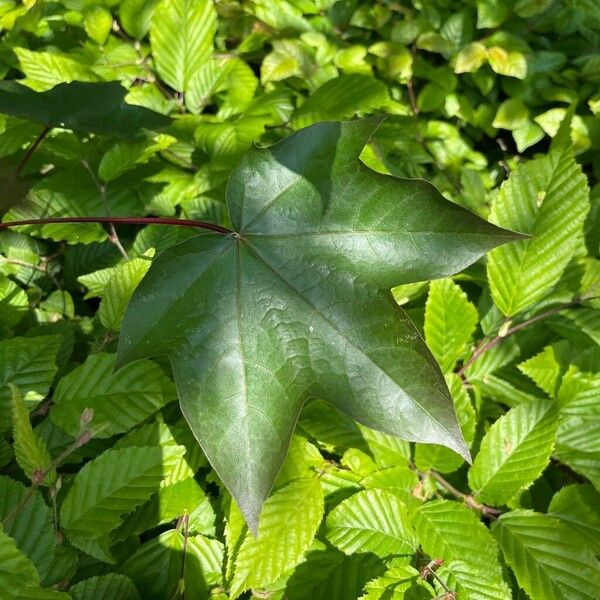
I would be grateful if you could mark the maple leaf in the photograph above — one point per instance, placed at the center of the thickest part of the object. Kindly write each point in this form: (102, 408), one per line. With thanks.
(296, 303)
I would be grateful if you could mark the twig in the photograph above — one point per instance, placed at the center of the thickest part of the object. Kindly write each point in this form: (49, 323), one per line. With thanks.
(409, 85)
(487, 511)
(39, 476)
(121, 220)
(113, 236)
(184, 521)
(31, 150)
(430, 570)
(483, 347)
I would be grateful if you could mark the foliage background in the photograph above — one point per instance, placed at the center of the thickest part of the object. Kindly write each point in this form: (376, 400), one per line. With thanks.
(476, 92)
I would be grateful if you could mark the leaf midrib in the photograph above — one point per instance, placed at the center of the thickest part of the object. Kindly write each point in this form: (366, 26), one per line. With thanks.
(316, 310)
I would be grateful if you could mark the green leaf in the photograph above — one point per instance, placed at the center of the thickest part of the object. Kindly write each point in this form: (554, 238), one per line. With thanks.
(45, 70)
(119, 289)
(73, 193)
(119, 400)
(181, 37)
(548, 561)
(321, 241)
(450, 531)
(86, 107)
(578, 434)
(168, 503)
(287, 526)
(29, 364)
(13, 302)
(33, 528)
(440, 458)
(112, 485)
(399, 582)
(97, 21)
(514, 452)
(544, 369)
(16, 570)
(342, 97)
(547, 198)
(124, 156)
(136, 16)
(30, 450)
(157, 567)
(105, 587)
(470, 583)
(470, 58)
(578, 507)
(450, 321)
(511, 115)
(371, 521)
(331, 575)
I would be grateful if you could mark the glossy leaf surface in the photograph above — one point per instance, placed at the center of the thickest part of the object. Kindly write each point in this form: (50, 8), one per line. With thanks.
(296, 303)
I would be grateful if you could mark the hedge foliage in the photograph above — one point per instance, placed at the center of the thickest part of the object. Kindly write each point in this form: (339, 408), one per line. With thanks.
(105, 492)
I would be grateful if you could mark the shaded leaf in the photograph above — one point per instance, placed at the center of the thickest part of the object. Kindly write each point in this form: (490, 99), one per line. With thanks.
(119, 401)
(86, 107)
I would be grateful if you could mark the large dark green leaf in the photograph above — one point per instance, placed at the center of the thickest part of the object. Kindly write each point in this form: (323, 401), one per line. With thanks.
(82, 106)
(296, 303)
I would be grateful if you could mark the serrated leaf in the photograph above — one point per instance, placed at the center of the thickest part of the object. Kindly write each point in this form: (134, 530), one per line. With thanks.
(72, 193)
(578, 434)
(450, 531)
(181, 37)
(157, 567)
(118, 291)
(514, 452)
(124, 156)
(112, 485)
(342, 97)
(450, 321)
(45, 70)
(168, 503)
(371, 521)
(548, 198)
(399, 582)
(16, 570)
(30, 450)
(470, 583)
(87, 107)
(288, 523)
(13, 302)
(112, 586)
(548, 562)
(545, 368)
(28, 363)
(578, 507)
(119, 400)
(298, 301)
(331, 575)
(33, 528)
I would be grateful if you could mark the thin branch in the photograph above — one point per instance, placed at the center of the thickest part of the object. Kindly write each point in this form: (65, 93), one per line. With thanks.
(113, 236)
(31, 150)
(39, 476)
(482, 348)
(487, 511)
(122, 220)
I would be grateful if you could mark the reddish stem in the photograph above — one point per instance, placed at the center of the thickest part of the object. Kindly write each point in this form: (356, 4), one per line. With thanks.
(122, 220)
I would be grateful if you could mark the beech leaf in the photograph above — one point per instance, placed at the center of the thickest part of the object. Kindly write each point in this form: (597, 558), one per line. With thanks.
(296, 302)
